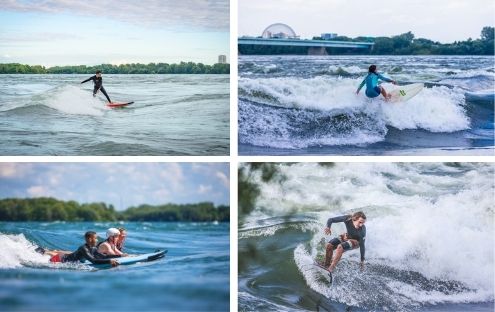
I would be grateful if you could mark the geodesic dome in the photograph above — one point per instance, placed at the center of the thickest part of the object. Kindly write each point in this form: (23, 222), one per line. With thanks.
(279, 30)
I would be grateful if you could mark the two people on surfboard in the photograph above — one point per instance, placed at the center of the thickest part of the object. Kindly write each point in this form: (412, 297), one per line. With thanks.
(373, 89)
(98, 85)
(352, 239)
(96, 253)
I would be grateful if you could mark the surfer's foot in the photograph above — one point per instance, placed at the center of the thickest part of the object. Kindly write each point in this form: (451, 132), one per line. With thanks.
(331, 268)
(40, 250)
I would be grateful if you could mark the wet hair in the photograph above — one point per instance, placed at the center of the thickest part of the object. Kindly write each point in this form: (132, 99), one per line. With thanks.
(89, 234)
(357, 215)
(98, 72)
(121, 229)
(372, 69)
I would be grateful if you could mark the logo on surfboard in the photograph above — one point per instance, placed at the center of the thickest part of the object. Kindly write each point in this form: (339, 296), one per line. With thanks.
(402, 92)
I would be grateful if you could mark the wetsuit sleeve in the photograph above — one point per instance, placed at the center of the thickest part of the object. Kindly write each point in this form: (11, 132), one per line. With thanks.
(85, 254)
(90, 78)
(384, 78)
(362, 247)
(361, 85)
(336, 219)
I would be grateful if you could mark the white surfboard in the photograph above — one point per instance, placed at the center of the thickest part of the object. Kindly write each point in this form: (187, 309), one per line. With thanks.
(404, 93)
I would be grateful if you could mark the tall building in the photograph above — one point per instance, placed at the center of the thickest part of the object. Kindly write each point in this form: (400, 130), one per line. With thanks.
(222, 59)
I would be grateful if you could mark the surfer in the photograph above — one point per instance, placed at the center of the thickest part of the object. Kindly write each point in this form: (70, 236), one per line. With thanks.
(85, 252)
(109, 247)
(98, 81)
(373, 89)
(121, 240)
(354, 238)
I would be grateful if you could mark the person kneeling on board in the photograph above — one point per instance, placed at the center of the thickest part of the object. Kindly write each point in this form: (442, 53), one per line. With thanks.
(85, 252)
(98, 82)
(354, 238)
(373, 89)
(109, 247)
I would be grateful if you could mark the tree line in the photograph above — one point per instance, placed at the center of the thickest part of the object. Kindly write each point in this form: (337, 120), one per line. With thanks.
(403, 44)
(49, 209)
(151, 68)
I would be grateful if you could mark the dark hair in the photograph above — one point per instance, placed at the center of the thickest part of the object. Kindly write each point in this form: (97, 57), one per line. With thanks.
(372, 69)
(355, 216)
(121, 229)
(98, 71)
(89, 234)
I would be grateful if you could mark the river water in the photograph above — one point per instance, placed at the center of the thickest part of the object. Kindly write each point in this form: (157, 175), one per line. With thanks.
(429, 244)
(172, 115)
(194, 275)
(306, 105)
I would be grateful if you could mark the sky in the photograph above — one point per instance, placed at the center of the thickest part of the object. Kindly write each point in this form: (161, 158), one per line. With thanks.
(439, 20)
(120, 184)
(75, 32)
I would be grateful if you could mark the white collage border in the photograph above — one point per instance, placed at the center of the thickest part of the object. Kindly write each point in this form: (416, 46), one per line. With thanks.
(234, 159)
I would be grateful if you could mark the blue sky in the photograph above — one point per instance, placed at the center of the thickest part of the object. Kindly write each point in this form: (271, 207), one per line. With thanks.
(94, 32)
(120, 184)
(438, 20)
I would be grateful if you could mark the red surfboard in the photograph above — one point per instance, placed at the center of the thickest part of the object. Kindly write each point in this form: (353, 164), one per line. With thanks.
(116, 105)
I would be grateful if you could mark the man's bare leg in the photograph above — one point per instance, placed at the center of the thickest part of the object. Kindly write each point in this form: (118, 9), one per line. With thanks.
(336, 259)
(328, 255)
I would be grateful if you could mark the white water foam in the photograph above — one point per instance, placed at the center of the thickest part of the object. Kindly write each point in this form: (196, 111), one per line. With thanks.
(17, 250)
(438, 109)
(74, 100)
(430, 218)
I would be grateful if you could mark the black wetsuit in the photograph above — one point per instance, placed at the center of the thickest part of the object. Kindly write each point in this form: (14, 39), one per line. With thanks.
(86, 252)
(352, 232)
(98, 81)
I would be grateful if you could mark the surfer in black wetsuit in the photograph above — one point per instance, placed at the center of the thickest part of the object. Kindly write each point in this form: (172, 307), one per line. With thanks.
(98, 81)
(354, 238)
(85, 252)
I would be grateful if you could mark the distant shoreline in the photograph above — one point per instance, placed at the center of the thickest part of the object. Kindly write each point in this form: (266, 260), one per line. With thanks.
(47, 209)
(403, 44)
(189, 68)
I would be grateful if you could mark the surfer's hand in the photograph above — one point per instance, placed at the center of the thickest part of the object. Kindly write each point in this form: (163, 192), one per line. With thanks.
(114, 263)
(328, 231)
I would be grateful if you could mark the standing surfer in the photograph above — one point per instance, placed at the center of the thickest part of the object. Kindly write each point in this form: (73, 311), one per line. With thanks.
(373, 89)
(98, 81)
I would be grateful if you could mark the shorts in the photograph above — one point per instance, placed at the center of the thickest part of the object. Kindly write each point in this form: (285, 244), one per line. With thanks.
(57, 258)
(372, 93)
(346, 245)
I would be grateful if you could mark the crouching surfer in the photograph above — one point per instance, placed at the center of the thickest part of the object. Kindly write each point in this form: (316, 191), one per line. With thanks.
(354, 238)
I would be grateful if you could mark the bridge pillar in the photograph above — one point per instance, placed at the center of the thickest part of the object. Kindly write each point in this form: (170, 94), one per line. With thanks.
(317, 51)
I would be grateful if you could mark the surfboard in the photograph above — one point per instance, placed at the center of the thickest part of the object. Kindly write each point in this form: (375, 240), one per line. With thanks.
(324, 271)
(405, 93)
(117, 105)
(132, 259)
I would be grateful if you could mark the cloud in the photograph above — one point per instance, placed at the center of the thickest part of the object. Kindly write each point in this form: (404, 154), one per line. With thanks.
(37, 191)
(14, 170)
(204, 189)
(223, 178)
(199, 14)
(39, 37)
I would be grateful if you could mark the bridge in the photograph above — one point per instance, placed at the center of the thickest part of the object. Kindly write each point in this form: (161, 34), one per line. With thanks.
(304, 43)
